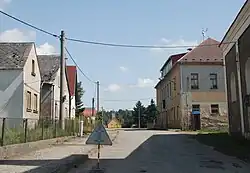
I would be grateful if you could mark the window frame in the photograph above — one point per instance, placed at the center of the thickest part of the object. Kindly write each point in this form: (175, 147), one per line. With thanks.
(35, 108)
(194, 79)
(28, 101)
(214, 79)
(33, 73)
(212, 108)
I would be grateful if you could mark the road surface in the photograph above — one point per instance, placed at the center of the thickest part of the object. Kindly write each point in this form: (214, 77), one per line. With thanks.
(161, 152)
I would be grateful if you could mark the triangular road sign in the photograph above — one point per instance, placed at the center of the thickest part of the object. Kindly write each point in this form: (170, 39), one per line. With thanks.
(99, 136)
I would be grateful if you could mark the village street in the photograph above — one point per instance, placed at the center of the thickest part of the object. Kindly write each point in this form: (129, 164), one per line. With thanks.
(161, 152)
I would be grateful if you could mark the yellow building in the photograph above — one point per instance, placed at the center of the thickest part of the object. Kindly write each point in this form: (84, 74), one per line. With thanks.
(114, 123)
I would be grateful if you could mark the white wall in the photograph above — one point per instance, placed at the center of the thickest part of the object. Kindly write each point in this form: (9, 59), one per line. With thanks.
(57, 96)
(73, 107)
(11, 95)
(32, 84)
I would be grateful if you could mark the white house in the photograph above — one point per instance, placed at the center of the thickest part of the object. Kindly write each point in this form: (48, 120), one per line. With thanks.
(72, 79)
(50, 87)
(20, 82)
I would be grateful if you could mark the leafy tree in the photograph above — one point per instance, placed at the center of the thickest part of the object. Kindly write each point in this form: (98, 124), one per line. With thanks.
(151, 111)
(79, 94)
(139, 109)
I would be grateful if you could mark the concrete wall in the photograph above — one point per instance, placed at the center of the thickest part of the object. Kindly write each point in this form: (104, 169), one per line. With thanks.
(204, 96)
(11, 100)
(32, 84)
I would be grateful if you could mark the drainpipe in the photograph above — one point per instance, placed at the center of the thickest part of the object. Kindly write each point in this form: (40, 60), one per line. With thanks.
(239, 84)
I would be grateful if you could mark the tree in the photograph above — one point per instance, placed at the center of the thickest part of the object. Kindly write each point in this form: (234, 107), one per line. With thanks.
(151, 111)
(79, 94)
(139, 109)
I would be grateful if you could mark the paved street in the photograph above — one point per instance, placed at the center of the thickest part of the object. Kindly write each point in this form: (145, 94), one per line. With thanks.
(161, 152)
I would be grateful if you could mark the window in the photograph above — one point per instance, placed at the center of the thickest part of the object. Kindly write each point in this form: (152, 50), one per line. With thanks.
(33, 68)
(215, 109)
(164, 104)
(170, 89)
(174, 82)
(214, 81)
(194, 81)
(28, 101)
(35, 103)
(195, 107)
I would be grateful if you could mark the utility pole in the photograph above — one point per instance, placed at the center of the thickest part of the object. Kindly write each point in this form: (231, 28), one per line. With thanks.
(98, 96)
(93, 106)
(139, 118)
(62, 76)
(102, 114)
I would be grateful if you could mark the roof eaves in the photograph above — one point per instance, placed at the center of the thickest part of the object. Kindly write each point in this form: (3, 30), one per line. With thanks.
(230, 27)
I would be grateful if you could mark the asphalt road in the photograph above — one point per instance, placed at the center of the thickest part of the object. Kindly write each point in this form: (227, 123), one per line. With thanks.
(161, 152)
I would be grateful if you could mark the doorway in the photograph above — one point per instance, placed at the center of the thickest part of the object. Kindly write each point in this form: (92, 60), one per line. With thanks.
(195, 117)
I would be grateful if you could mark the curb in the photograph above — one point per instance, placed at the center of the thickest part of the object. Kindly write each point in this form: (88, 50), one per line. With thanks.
(68, 163)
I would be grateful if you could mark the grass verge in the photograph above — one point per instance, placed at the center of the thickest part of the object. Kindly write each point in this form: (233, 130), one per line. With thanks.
(226, 144)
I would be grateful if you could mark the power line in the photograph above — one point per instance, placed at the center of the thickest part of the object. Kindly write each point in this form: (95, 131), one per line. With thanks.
(28, 24)
(140, 46)
(129, 100)
(88, 78)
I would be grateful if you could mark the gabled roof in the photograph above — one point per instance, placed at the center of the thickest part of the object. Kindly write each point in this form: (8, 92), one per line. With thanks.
(207, 51)
(49, 65)
(242, 10)
(88, 112)
(72, 77)
(171, 57)
(14, 55)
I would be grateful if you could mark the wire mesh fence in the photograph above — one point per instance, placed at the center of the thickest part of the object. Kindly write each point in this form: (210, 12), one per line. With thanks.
(17, 130)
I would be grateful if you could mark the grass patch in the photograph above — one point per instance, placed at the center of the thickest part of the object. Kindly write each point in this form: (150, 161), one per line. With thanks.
(226, 144)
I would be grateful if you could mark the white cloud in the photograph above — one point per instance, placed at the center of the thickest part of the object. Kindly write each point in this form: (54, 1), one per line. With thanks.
(45, 49)
(123, 69)
(3, 3)
(16, 35)
(174, 44)
(143, 83)
(113, 88)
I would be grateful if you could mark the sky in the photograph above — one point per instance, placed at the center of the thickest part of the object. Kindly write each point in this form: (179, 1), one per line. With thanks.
(126, 75)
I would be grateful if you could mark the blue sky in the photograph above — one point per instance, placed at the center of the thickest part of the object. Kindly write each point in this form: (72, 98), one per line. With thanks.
(125, 75)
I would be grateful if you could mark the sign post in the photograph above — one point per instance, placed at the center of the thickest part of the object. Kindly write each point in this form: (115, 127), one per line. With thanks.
(99, 137)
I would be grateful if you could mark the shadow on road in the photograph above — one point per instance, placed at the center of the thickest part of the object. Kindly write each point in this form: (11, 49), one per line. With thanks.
(174, 152)
(226, 144)
(43, 166)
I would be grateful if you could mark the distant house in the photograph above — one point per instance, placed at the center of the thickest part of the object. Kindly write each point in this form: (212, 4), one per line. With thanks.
(50, 87)
(114, 123)
(236, 53)
(20, 81)
(72, 79)
(89, 113)
(191, 91)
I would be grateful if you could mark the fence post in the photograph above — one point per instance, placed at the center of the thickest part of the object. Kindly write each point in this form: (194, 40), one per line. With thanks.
(42, 129)
(55, 128)
(3, 128)
(25, 129)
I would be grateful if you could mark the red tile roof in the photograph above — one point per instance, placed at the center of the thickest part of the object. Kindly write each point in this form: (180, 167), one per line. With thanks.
(72, 73)
(88, 112)
(207, 51)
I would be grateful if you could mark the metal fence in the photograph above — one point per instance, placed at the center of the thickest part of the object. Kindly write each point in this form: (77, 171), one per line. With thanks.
(17, 130)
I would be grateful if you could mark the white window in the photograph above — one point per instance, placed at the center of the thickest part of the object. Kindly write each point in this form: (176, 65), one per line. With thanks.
(214, 109)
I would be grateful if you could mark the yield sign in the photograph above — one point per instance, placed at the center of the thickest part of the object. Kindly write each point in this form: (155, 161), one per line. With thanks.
(99, 136)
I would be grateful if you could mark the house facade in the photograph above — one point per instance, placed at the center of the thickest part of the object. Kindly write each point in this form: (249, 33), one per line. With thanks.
(236, 53)
(20, 82)
(72, 79)
(50, 88)
(192, 92)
